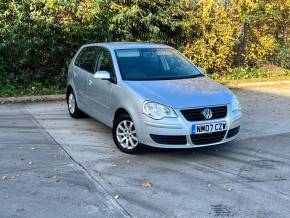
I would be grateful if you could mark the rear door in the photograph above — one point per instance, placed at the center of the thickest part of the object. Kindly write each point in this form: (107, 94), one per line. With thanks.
(84, 65)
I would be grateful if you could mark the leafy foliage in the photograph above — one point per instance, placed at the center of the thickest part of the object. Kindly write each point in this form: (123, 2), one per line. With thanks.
(243, 73)
(39, 37)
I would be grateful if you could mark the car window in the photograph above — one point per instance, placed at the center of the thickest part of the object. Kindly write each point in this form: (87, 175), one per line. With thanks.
(87, 59)
(105, 62)
(154, 64)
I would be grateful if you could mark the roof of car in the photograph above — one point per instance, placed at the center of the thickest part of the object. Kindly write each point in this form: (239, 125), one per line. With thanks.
(129, 45)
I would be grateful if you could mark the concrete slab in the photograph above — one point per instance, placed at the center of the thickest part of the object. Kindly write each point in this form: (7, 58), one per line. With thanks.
(246, 178)
(39, 179)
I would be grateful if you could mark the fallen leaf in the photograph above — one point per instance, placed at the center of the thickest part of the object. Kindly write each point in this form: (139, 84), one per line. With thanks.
(229, 189)
(56, 157)
(209, 185)
(116, 197)
(30, 162)
(52, 177)
(147, 184)
(151, 194)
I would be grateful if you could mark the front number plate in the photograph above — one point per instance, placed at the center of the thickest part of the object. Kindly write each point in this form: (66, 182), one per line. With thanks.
(208, 127)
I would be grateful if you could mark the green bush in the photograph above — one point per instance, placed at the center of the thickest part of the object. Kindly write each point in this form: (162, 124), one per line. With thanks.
(282, 57)
(39, 37)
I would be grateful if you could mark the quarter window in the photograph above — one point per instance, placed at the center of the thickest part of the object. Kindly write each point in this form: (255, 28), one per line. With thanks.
(87, 59)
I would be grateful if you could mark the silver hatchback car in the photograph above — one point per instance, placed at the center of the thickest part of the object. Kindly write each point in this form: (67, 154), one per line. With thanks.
(150, 94)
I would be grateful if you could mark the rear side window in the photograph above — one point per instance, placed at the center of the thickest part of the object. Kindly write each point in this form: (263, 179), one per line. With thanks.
(87, 59)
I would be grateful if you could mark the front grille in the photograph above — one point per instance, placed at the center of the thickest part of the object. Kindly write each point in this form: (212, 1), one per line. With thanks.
(170, 140)
(233, 132)
(195, 114)
(207, 138)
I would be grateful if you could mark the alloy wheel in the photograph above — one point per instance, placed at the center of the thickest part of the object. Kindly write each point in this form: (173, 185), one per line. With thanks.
(126, 134)
(71, 103)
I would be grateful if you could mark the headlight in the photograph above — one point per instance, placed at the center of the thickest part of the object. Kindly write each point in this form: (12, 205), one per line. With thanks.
(157, 111)
(235, 104)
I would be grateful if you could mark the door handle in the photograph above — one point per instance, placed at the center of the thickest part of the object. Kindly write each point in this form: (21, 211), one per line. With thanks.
(90, 82)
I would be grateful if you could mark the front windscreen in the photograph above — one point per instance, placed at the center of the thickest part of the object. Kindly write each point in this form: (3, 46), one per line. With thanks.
(154, 64)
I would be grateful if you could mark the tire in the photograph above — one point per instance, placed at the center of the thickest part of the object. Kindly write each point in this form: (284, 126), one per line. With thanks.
(72, 105)
(130, 145)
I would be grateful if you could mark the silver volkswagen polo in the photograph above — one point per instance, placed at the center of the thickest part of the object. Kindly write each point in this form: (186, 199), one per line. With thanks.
(150, 94)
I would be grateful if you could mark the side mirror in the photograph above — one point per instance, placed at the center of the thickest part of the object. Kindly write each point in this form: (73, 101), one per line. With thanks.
(102, 74)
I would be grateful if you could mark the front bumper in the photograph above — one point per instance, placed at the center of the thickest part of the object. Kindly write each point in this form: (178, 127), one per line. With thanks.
(176, 129)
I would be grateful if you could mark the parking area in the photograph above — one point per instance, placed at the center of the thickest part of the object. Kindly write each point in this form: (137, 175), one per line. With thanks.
(51, 163)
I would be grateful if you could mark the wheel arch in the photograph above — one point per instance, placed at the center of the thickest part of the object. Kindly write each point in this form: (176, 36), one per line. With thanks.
(68, 89)
(119, 111)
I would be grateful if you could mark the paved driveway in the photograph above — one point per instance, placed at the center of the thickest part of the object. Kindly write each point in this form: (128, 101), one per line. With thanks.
(245, 178)
(39, 179)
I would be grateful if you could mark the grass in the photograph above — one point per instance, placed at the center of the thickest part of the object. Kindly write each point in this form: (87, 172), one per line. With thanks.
(268, 79)
(27, 92)
(14, 86)
(226, 81)
(264, 74)
(10, 90)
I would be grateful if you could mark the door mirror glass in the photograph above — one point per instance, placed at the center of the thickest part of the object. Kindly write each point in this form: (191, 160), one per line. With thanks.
(102, 74)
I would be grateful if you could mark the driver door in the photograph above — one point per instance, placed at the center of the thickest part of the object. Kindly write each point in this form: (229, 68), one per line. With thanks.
(100, 91)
